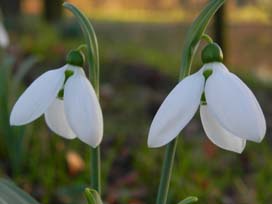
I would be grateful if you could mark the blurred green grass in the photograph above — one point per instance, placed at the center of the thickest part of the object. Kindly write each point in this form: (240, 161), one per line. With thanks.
(140, 65)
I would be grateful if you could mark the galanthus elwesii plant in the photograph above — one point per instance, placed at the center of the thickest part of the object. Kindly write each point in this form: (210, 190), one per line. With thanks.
(68, 101)
(4, 38)
(229, 111)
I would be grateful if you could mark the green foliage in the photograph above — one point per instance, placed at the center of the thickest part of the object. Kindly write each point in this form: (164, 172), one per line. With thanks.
(195, 34)
(12, 138)
(188, 200)
(11, 194)
(92, 196)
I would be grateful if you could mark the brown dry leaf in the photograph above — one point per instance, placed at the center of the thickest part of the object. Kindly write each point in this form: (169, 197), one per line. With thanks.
(74, 162)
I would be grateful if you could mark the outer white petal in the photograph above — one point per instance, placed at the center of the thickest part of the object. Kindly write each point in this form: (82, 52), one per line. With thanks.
(218, 135)
(37, 97)
(4, 39)
(215, 66)
(235, 106)
(82, 109)
(56, 120)
(176, 111)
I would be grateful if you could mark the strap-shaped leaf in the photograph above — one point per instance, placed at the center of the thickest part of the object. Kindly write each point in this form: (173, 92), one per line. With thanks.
(91, 42)
(11, 194)
(194, 35)
(188, 200)
(93, 196)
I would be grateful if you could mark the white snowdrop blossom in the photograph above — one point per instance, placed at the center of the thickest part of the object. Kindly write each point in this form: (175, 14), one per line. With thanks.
(230, 113)
(4, 38)
(68, 101)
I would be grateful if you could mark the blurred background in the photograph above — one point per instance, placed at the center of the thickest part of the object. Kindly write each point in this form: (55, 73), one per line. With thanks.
(140, 48)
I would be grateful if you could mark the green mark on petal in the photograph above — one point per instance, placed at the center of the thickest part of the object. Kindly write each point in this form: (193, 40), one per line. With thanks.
(60, 94)
(207, 73)
(68, 73)
(203, 99)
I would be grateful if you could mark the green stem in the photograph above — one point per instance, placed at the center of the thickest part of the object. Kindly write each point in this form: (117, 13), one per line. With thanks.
(81, 47)
(207, 38)
(95, 169)
(166, 172)
(93, 65)
(95, 152)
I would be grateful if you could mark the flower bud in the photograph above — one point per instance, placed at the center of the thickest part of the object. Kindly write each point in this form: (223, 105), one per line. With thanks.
(212, 53)
(76, 58)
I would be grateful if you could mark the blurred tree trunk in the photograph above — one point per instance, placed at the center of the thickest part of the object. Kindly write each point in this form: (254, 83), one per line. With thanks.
(52, 10)
(11, 8)
(220, 30)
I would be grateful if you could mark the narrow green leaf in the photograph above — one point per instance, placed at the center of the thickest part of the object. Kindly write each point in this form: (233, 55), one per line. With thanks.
(11, 194)
(92, 196)
(194, 35)
(91, 42)
(190, 199)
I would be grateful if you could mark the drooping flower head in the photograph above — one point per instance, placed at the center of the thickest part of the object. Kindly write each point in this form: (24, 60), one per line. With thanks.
(230, 113)
(67, 99)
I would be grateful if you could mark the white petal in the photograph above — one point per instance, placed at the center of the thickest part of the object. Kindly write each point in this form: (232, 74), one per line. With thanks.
(215, 66)
(82, 109)
(218, 135)
(176, 111)
(235, 106)
(4, 39)
(56, 120)
(37, 97)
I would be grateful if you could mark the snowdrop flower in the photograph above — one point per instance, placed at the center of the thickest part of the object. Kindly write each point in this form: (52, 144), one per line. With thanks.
(68, 101)
(4, 38)
(230, 113)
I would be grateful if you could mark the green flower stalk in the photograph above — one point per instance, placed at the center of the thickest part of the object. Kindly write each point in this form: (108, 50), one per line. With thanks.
(194, 36)
(94, 69)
